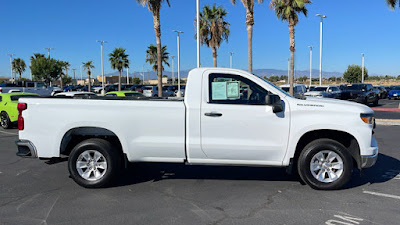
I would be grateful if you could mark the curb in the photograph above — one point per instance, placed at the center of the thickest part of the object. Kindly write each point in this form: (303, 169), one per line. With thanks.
(387, 122)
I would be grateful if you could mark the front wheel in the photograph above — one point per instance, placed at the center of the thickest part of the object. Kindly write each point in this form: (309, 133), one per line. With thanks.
(325, 164)
(5, 121)
(94, 163)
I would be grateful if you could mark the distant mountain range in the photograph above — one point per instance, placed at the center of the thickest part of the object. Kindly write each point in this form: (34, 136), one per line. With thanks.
(260, 72)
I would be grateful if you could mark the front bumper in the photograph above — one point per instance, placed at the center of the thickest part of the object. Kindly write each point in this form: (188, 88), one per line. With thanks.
(394, 97)
(370, 160)
(26, 149)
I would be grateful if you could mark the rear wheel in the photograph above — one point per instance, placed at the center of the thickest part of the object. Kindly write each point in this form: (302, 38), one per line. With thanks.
(94, 163)
(5, 120)
(376, 101)
(325, 164)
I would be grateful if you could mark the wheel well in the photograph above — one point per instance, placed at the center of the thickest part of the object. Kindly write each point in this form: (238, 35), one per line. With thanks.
(79, 134)
(346, 139)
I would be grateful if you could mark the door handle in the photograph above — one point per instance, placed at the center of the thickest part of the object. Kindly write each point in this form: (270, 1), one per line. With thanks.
(213, 114)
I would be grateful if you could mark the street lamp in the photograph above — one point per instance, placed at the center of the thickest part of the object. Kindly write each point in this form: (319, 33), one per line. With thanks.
(311, 47)
(81, 73)
(48, 50)
(102, 67)
(179, 68)
(231, 53)
(173, 74)
(362, 68)
(74, 75)
(11, 56)
(320, 48)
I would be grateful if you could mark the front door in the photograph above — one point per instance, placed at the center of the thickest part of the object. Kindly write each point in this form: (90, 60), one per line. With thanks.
(236, 124)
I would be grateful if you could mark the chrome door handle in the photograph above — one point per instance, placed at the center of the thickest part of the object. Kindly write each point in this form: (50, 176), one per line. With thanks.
(213, 114)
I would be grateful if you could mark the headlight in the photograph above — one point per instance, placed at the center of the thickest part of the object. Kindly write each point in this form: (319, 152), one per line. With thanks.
(368, 118)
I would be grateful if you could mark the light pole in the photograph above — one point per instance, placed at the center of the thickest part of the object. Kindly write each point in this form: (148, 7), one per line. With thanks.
(74, 75)
(179, 68)
(102, 67)
(320, 48)
(173, 74)
(81, 73)
(127, 75)
(362, 68)
(48, 50)
(198, 34)
(231, 54)
(11, 70)
(311, 47)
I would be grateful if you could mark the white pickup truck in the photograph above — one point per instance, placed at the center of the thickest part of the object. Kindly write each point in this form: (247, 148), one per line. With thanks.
(227, 117)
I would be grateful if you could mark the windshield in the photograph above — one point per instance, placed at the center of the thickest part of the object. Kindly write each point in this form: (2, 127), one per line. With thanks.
(16, 97)
(273, 85)
(318, 89)
(356, 87)
(397, 88)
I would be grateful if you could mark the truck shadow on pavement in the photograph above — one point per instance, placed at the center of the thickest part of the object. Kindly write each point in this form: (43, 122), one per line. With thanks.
(383, 171)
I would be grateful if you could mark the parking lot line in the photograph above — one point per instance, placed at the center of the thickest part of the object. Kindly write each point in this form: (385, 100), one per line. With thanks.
(381, 194)
(7, 132)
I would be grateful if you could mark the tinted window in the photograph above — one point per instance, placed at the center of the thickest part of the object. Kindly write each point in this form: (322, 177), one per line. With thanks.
(148, 88)
(16, 97)
(111, 94)
(30, 85)
(356, 87)
(133, 94)
(1, 98)
(233, 89)
(318, 89)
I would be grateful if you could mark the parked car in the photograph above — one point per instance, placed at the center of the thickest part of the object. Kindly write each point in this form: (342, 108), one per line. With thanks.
(327, 91)
(323, 140)
(361, 93)
(298, 90)
(73, 94)
(394, 93)
(137, 87)
(36, 87)
(152, 91)
(383, 93)
(8, 107)
(125, 94)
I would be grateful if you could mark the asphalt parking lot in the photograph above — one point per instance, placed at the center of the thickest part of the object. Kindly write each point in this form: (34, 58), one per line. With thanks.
(37, 192)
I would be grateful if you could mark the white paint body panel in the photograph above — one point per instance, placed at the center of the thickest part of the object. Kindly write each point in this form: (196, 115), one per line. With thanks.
(172, 131)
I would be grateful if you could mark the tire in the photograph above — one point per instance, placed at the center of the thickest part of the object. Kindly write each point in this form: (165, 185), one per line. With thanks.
(94, 173)
(376, 102)
(322, 178)
(5, 121)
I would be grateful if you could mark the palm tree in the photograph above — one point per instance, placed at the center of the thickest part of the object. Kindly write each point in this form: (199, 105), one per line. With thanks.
(213, 28)
(392, 3)
(287, 10)
(119, 60)
(151, 56)
(249, 5)
(65, 66)
(88, 65)
(18, 66)
(154, 6)
(36, 56)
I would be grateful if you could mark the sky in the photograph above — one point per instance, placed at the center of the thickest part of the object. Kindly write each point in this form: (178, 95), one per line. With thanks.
(72, 27)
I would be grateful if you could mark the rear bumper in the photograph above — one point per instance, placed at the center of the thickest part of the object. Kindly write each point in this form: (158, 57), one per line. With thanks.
(26, 149)
(370, 160)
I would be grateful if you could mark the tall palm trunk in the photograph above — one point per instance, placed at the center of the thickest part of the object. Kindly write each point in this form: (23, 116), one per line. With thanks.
(292, 49)
(20, 76)
(157, 29)
(250, 23)
(119, 80)
(214, 52)
(89, 86)
(61, 83)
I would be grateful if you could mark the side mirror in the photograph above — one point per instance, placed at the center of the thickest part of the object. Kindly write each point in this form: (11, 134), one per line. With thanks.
(275, 101)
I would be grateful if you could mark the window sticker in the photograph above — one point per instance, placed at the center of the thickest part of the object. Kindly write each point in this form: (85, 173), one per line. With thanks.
(218, 90)
(233, 89)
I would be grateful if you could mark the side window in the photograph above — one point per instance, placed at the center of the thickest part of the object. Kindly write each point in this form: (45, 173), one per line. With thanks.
(1, 98)
(234, 89)
(111, 94)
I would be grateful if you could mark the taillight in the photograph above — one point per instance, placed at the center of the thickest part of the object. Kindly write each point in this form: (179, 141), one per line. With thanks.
(21, 107)
(1, 90)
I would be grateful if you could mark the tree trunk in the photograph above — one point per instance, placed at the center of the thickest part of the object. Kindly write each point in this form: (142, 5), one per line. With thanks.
(61, 83)
(20, 76)
(119, 80)
(214, 52)
(157, 30)
(250, 23)
(89, 86)
(292, 49)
